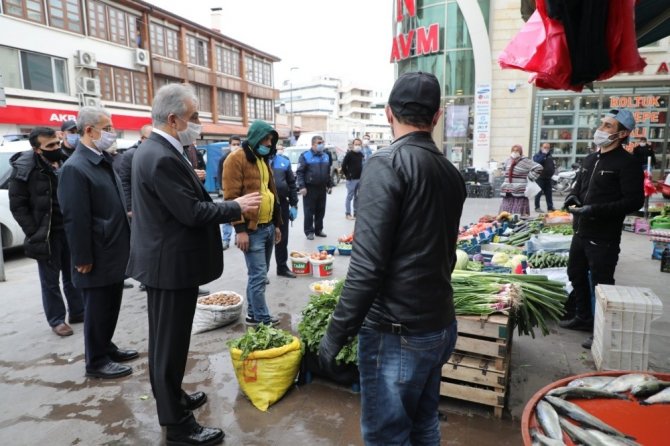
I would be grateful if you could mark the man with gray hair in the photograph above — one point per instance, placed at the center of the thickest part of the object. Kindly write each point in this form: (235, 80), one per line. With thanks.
(98, 232)
(175, 248)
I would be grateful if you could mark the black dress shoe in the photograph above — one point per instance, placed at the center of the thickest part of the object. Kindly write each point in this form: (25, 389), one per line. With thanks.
(194, 400)
(110, 370)
(588, 343)
(193, 435)
(203, 292)
(321, 234)
(577, 323)
(286, 273)
(123, 355)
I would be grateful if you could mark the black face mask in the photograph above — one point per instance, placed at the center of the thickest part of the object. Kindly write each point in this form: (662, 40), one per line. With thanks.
(53, 156)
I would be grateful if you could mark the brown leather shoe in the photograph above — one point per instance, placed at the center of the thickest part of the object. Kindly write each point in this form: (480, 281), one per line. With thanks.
(62, 329)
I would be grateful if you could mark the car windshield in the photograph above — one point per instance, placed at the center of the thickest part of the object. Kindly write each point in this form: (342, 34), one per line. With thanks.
(5, 169)
(294, 155)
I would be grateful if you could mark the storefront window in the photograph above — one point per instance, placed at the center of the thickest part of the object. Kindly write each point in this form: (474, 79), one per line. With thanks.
(557, 120)
(459, 73)
(456, 30)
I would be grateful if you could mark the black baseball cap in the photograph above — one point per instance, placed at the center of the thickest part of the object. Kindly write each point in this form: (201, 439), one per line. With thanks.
(68, 125)
(415, 93)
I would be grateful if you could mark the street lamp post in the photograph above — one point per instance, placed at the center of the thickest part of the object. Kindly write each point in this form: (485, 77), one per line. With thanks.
(291, 137)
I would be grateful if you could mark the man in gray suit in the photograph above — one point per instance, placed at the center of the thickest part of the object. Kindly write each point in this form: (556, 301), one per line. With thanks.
(98, 233)
(175, 248)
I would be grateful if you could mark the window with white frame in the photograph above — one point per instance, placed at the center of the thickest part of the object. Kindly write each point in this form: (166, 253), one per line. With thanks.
(228, 60)
(197, 51)
(33, 71)
(229, 104)
(258, 108)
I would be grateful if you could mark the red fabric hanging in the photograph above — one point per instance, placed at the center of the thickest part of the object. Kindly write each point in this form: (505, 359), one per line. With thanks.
(622, 40)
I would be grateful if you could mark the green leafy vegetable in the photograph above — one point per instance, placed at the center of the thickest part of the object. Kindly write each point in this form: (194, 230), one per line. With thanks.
(262, 337)
(315, 318)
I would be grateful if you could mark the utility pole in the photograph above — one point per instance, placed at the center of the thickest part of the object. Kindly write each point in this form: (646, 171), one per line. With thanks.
(291, 137)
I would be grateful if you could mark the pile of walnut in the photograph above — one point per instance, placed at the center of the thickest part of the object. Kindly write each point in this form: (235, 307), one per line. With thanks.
(222, 299)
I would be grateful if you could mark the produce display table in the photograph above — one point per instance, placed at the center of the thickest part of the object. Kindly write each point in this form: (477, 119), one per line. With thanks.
(478, 370)
(648, 424)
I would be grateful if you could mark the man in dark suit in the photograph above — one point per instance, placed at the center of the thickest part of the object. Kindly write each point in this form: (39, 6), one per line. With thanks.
(175, 247)
(97, 229)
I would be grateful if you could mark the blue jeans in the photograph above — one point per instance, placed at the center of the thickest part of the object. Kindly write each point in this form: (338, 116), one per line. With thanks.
(400, 385)
(261, 242)
(49, 272)
(226, 232)
(352, 194)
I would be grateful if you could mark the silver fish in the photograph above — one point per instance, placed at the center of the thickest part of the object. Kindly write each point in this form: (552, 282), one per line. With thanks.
(579, 435)
(543, 440)
(594, 382)
(578, 414)
(548, 419)
(571, 393)
(608, 440)
(626, 382)
(662, 397)
(648, 388)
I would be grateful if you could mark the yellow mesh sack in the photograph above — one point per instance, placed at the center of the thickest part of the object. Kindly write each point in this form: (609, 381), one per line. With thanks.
(266, 375)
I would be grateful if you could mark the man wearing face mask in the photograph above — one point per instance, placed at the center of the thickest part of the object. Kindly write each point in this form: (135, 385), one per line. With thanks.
(314, 182)
(643, 151)
(608, 187)
(248, 171)
(352, 167)
(98, 233)
(544, 159)
(71, 137)
(175, 248)
(40, 217)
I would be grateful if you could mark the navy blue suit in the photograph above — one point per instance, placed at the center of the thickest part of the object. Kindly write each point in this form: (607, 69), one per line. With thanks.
(94, 214)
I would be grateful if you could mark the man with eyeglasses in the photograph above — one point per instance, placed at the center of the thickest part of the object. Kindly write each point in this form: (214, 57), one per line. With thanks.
(314, 182)
(98, 232)
(40, 217)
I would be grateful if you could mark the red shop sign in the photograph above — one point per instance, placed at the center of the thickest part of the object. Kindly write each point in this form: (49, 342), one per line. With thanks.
(15, 114)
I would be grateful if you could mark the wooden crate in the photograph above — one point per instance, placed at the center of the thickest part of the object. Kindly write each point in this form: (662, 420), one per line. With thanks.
(478, 370)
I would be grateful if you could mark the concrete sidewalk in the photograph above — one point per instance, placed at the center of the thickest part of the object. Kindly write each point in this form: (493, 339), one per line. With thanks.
(47, 400)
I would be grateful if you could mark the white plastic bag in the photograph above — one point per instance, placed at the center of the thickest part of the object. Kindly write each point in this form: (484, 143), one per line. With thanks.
(209, 317)
(532, 189)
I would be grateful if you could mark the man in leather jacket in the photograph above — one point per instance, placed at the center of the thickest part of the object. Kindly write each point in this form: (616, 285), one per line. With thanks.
(397, 295)
(609, 186)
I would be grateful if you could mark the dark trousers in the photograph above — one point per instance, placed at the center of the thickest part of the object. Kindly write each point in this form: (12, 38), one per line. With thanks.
(597, 257)
(170, 321)
(50, 273)
(314, 205)
(281, 248)
(102, 312)
(545, 185)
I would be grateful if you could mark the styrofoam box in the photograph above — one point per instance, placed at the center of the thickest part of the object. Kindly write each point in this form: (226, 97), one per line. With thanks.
(622, 327)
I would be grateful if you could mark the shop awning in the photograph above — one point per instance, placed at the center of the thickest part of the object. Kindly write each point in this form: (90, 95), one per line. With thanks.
(211, 129)
(652, 21)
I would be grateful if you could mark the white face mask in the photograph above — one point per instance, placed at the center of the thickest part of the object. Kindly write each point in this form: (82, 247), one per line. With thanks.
(602, 138)
(189, 134)
(107, 140)
(357, 148)
(280, 152)
(515, 155)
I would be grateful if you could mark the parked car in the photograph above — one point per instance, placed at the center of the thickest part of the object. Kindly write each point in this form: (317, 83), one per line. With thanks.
(293, 153)
(12, 234)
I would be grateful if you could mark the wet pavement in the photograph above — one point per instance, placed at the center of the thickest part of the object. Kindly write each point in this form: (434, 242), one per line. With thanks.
(46, 399)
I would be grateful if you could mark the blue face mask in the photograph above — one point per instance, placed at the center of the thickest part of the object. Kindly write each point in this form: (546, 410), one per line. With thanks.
(319, 148)
(262, 150)
(72, 139)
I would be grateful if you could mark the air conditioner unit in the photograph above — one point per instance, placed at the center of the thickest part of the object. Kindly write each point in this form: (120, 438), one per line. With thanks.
(86, 59)
(141, 57)
(90, 86)
(91, 102)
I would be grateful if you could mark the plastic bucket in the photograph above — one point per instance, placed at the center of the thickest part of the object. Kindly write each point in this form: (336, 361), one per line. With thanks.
(322, 268)
(300, 266)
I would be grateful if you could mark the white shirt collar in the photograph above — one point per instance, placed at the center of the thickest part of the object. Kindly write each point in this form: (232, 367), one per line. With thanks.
(171, 139)
(96, 151)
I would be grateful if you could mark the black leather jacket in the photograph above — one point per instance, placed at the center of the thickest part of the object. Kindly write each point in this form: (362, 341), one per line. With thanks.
(410, 204)
(612, 184)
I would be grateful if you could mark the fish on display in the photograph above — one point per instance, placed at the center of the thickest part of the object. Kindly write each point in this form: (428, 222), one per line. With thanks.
(594, 382)
(543, 440)
(579, 435)
(626, 382)
(571, 393)
(548, 419)
(609, 440)
(648, 388)
(578, 414)
(662, 397)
